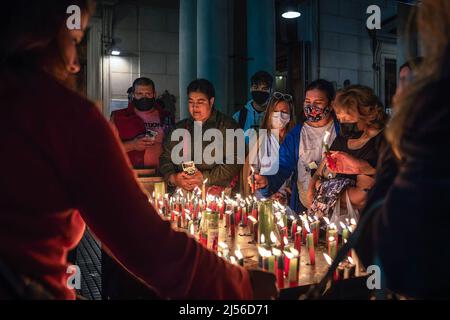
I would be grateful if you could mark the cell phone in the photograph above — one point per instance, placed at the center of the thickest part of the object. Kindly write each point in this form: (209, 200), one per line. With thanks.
(189, 167)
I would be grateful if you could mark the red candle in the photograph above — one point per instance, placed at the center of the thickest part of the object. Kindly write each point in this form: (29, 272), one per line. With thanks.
(298, 239)
(279, 268)
(238, 214)
(293, 228)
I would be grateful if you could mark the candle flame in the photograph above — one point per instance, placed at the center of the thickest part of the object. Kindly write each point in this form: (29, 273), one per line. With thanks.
(307, 227)
(223, 245)
(273, 237)
(353, 222)
(295, 252)
(328, 259)
(276, 252)
(288, 255)
(238, 254)
(261, 251)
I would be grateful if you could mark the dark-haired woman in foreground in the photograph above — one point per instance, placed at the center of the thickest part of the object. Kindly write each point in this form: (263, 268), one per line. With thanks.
(78, 172)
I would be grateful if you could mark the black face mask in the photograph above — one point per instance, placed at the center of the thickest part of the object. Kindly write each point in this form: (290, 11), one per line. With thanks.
(350, 131)
(144, 104)
(261, 97)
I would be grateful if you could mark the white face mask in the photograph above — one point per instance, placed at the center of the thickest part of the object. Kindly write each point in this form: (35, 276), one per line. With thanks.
(280, 120)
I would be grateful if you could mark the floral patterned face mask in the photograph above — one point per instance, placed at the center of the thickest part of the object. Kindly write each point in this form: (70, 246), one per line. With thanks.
(315, 113)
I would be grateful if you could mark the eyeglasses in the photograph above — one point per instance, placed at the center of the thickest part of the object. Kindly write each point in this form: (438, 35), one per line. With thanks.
(282, 96)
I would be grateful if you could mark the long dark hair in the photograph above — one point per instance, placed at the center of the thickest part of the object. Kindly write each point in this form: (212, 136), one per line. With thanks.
(30, 31)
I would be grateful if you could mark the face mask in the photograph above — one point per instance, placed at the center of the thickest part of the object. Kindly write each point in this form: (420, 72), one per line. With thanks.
(350, 131)
(261, 97)
(315, 114)
(280, 120)
(144, 104)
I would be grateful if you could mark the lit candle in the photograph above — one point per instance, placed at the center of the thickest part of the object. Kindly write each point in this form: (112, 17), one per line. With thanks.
(344, 233)
(273, 239)
(349, 270)
(261, 256)
(294, 263)
(213, 230)
(330, 262)
(298, 239)
(330, 161)
(293, 227)
(270, 261)
(253, 186)
(253, 226)
(332, 232)
(279, 266)
(204, 189)
(266, 218)
(239, 256)
(225, 251)
(332, 247)
(310, 245)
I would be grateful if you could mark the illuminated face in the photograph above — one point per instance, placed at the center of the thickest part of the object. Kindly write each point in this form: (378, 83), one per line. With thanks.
(144, 92)
(282, 106)
(200, 107)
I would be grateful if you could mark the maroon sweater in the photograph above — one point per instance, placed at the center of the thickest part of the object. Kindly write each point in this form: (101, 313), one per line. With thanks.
(60, 157)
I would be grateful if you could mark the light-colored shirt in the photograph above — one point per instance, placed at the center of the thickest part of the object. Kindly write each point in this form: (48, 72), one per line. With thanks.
(311, 152)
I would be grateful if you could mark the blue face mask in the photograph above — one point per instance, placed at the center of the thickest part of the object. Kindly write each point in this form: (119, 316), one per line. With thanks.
(315, 113)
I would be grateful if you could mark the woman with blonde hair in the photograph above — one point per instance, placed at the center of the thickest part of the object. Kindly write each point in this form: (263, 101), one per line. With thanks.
(355, 152)
(416, 209)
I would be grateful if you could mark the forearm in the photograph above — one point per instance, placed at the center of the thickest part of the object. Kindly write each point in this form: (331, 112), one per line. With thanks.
(357, 196)
(106, 192)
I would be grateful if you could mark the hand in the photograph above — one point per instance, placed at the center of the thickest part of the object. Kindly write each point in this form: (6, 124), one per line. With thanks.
(260, 181)
(140, 144)
(345, 163)
(281, 198)
(263, 283)
(181, 180)
(195, 180)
